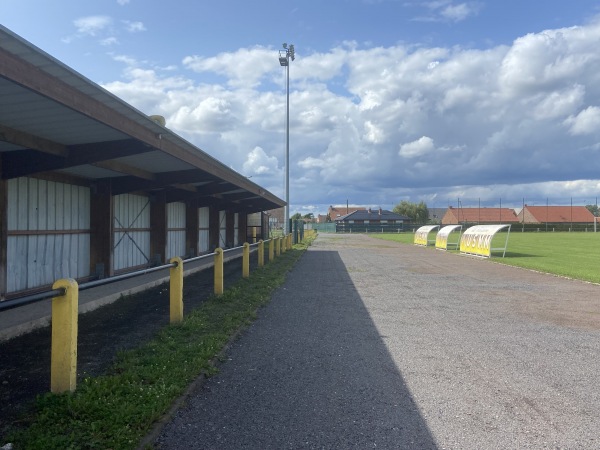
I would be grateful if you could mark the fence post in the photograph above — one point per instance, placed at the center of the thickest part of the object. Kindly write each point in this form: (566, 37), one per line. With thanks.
(219, 271)
(284, 241)
(176, 290)
(278, 246)
(271, 249)
(261, 253)
(65, 310)
(246, 260)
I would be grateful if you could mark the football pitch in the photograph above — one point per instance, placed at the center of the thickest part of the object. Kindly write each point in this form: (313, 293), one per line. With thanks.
(574, 255)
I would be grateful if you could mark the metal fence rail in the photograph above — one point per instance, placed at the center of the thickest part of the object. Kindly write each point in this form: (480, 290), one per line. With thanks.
(65, 300)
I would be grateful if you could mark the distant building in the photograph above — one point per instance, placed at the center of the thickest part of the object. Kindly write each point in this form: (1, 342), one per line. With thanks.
(276, 218)
(479, 216)
(436, 214)
(555, 214)
(338, 211)
(372, 217)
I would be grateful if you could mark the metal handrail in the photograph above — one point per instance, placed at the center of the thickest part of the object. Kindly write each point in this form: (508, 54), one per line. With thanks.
(33, 298)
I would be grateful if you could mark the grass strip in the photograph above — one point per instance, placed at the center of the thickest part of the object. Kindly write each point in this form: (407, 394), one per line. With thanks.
(573, 255)
(116, 410)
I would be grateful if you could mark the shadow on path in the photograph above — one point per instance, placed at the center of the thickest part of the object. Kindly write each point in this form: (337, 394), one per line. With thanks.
(311, 372)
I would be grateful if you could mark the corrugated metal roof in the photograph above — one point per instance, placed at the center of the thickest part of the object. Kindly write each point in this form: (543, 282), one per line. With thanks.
(48, 109)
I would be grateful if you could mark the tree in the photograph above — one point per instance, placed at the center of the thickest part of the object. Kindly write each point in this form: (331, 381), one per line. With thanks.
(593, 209)
(296, 216)
(308, 216)
(417, 212)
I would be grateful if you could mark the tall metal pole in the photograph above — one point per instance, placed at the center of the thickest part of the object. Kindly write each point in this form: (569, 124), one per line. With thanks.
(287, 145)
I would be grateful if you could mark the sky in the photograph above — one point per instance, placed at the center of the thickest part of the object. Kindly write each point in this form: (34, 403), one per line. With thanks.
(438, 101)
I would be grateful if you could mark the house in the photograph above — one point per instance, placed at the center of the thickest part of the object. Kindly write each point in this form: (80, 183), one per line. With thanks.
(556, 214)
(479, 215)
(335, 212)
(436, 214)
(372, 217)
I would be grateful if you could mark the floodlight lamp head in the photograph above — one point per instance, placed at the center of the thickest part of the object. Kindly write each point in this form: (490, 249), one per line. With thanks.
(292, 52)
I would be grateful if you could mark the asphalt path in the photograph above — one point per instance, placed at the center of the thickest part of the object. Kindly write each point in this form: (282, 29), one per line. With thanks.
(374, 344)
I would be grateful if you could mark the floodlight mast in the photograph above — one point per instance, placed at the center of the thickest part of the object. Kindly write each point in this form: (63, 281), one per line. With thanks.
(284, 60)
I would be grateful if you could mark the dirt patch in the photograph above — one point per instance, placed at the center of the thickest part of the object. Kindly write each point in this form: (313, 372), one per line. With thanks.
(122, 325)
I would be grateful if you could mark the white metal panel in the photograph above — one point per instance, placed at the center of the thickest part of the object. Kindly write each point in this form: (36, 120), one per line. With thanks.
(222, 229)
(236, 229)
(132, 231)
(175, 230)
(36, 258)
(203, 229)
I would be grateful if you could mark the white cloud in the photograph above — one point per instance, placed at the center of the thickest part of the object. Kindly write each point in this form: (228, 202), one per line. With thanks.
(421, 146)
(92, 25)
(379, 124)
(123, 2)
(134, 27)
(259, 163)
(586, 122)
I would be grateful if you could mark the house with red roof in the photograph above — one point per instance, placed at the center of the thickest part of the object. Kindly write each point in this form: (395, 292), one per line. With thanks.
(555, 214)
(479, 216)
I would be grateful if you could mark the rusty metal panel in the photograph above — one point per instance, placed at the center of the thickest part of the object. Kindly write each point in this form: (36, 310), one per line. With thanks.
(132, 231)
(48, 232)
(203, 229)
(175, 230)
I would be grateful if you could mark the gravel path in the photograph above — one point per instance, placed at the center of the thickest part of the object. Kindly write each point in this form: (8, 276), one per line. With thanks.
(373, 344)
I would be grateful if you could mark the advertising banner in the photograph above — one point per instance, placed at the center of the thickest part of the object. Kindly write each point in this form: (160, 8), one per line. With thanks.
(477, 240)
(422, 234)
(441, 240)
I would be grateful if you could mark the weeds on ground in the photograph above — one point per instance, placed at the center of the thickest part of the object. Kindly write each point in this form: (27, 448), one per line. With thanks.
(116, 410)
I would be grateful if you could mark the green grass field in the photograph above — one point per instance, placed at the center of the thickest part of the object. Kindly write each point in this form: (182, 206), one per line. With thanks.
(574, 255)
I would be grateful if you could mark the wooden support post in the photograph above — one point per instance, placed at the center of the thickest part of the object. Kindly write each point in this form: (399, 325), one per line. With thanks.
(219, 271)
(63, 365)
(271, 249)
(176, 290)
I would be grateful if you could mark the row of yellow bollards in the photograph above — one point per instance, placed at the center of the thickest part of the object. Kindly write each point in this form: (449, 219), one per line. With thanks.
(65, 309)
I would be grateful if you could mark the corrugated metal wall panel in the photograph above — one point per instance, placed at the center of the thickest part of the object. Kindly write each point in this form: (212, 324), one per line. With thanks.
(236, 230)
(222, 229)
(203, 229)
(132, 231)
(175, 230)
(36, 258)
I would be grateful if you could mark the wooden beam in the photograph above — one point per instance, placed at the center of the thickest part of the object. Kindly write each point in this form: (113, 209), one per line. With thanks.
(120, 167)
(20, 163)
(32, 142)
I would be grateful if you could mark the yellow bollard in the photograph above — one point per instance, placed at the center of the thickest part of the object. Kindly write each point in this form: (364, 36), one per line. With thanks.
(254, 235)
(176, 290)
(65, 310)
(246, 260)
(283, 244)
(261, 253)
(219, 271)
(271, 249)
(278, 246)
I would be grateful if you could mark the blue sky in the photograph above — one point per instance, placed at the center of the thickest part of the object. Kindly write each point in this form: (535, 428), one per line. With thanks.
(389, 100)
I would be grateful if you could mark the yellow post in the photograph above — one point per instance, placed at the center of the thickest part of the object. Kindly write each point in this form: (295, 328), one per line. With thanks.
(219, 271)
(271, 249)
(284, 244)
(246, 260)
(65, 310)
(254, 235)
(176, 290)
(278, 246)
(261, 253)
